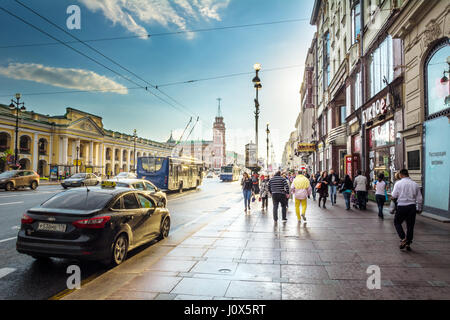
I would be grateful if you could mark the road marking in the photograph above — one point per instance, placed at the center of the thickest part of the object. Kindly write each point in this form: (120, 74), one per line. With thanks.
(9, 239)
(8, 203)
(5, 271)
(15, 228)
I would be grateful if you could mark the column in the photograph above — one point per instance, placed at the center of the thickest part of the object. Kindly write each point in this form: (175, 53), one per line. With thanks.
(130, 166)
(120, 159)
(64, 149)
(35, 152)
(91, 153)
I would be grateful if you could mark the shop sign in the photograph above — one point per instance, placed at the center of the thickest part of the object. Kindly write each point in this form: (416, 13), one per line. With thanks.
(306, 147)
(348, 164)
(378, 107)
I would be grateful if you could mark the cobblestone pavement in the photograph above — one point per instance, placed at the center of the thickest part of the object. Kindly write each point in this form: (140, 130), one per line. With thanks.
(247, 256)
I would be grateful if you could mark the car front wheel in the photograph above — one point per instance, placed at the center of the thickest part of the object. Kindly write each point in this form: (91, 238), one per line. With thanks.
(33, 185)
(164, 230)
(9, 186)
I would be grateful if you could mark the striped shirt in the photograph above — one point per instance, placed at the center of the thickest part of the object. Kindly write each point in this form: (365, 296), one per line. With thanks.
(278, 184)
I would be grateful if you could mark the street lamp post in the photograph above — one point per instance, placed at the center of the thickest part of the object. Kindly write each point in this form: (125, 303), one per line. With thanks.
(257, 84)
(16, 105)
(267, 142)
(134, 154)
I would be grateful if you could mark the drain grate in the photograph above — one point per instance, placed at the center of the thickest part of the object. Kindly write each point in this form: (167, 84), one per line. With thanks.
(224, 270)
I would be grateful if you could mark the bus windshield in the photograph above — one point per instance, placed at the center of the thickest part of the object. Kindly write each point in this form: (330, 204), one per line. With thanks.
(152, 164)
(227, 169)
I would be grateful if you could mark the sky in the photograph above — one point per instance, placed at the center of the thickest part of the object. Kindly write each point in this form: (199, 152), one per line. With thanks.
(162, 59)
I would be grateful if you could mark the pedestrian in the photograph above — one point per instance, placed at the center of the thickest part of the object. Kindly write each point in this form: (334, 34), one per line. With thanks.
(380, 194)
(347, 189)
(322, 188)
(409, 203)
(255, 182)
(247, 187)
(333, 181)
(279, 188)
(301, 189)
(313, 182)
(265, 193)
(360, 185)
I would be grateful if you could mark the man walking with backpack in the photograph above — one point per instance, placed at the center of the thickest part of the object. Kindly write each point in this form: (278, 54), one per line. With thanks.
(279, 189)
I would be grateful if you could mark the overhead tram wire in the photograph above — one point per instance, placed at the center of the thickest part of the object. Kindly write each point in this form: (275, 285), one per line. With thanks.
(161, 34)
(88, 57)
(98, 52)
(109, 59)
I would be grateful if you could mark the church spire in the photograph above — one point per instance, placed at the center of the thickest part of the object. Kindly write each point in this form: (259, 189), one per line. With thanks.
(219, 113)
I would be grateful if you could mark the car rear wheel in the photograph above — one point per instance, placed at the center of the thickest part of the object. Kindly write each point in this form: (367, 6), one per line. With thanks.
(120, 250)
(33, 185)
(9, 186)
(164, 230)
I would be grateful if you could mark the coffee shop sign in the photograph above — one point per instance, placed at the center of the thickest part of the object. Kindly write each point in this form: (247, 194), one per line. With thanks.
(378, 107)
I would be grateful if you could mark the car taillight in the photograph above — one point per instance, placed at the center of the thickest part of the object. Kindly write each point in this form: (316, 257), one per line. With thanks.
(26, 219)
(92, 223)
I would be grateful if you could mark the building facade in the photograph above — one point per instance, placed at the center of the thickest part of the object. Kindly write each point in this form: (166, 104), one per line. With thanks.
(383, 94)
(57, 146)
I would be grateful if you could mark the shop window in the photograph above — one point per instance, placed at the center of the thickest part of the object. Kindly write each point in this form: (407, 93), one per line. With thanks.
(413, 160)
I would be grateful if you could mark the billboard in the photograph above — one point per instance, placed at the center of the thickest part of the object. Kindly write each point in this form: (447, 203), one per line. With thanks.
(306, 147)
(251, 160)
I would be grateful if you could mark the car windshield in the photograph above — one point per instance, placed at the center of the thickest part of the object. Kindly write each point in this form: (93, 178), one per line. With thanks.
(74, 200)
(123, 174)
(78, 176)
(7, 174)
(122, 185)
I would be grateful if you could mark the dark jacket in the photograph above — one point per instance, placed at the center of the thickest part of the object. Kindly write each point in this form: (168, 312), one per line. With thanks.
(278, 184)
(336, 179)
(247, 184)
(347, 185)
(323, 190)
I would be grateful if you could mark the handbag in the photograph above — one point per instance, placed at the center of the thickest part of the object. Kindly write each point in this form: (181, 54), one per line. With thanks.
(392, 207)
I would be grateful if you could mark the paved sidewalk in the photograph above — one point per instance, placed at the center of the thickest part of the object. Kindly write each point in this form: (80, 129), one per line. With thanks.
(239, 256)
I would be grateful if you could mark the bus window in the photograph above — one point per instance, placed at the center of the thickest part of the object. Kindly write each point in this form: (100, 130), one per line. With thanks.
(158, 163)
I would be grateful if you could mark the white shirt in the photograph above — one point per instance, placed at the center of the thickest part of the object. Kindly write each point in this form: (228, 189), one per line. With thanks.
(380, 187)
(360, 183)
(407, 192)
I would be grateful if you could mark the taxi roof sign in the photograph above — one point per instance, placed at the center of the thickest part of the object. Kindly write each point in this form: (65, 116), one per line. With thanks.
(108, 184)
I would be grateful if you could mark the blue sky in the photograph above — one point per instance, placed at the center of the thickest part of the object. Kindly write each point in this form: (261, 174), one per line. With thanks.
(162, 60)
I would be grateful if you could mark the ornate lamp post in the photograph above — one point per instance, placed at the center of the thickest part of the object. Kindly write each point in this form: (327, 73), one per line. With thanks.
(257, 84)
(17, 105)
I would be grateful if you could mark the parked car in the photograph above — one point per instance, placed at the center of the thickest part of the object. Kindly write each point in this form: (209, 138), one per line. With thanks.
(142, 185)
(80, 179)
(105, 226)
(10, 180)
(126, 175)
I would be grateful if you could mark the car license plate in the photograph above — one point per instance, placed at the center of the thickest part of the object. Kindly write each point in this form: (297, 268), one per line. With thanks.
(52, 227)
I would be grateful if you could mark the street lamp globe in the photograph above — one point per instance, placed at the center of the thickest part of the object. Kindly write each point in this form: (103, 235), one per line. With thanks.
(17, 95)
(257, 66)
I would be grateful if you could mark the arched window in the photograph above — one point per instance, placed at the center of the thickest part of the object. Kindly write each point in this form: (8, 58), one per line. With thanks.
(437, 75)
(5, 141)
(25, 144)
(42, 146)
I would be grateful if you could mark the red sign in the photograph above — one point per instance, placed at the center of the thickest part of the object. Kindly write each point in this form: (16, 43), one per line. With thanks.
(348, 165)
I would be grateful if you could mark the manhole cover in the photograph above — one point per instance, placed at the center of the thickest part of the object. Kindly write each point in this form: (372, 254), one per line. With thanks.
(224, 270)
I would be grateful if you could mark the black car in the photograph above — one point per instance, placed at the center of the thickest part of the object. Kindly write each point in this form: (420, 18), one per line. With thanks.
(99, 223)
(80, 180)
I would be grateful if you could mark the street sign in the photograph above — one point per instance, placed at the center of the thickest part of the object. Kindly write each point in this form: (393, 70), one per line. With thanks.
(75, 163)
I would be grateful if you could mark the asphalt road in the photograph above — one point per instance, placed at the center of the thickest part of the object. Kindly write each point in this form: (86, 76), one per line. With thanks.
(22, 277)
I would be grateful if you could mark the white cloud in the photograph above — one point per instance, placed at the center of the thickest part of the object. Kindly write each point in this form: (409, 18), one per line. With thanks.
(132, 14)
(78, 79)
